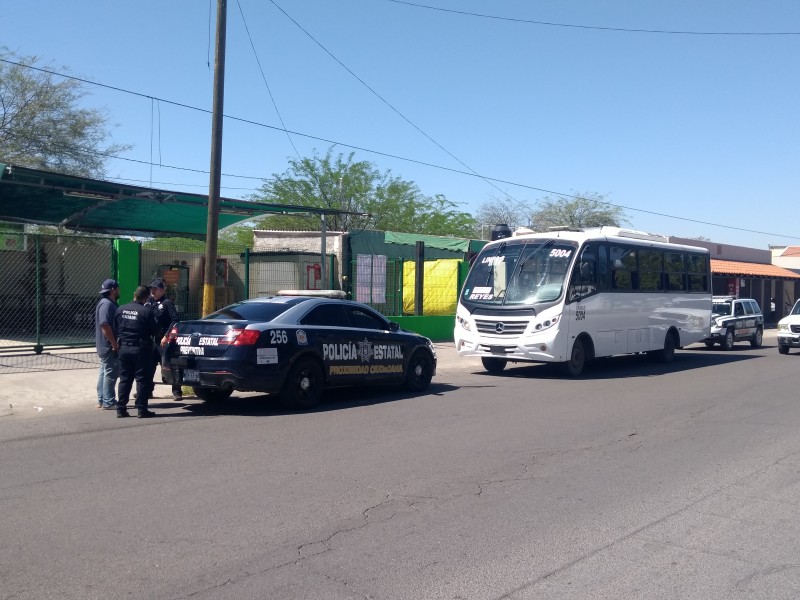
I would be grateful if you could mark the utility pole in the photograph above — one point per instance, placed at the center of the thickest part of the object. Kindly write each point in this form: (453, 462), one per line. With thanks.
(212, 228)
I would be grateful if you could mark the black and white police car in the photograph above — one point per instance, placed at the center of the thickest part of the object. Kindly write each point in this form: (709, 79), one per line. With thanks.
(733, 320)
(295, 346)
(789, 330)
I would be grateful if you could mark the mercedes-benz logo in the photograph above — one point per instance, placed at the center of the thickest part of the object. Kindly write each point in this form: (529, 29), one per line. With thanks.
(500, 327)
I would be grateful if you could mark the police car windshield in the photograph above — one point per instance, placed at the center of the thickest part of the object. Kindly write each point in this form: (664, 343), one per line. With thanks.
(722, 308)
(250, 311)
(520, 272)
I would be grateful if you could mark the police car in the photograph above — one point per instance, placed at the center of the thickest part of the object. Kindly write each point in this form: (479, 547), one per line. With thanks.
(789, 330)
(295, 346)
(733, 320)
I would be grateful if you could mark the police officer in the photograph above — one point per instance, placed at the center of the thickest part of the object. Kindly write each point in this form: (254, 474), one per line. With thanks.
(136, 326)
(166, 315)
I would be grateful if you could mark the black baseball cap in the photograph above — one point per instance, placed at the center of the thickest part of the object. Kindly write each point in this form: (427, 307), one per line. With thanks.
(158, 283)
(108, 285)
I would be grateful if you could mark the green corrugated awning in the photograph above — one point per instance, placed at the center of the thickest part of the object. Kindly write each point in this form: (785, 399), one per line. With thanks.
(434, 241)
(84, 204)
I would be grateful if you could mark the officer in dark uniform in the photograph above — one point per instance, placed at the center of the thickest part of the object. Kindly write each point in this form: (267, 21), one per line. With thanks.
(136, 326)
(166, 315)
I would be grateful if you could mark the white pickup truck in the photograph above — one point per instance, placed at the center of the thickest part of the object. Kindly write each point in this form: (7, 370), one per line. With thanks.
(789, 330)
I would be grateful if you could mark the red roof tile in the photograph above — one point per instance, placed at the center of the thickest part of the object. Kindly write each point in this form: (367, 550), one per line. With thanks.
(748, 269)
(791, 251)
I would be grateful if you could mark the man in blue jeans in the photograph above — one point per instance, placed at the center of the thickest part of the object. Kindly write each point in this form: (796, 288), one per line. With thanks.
(106, 344)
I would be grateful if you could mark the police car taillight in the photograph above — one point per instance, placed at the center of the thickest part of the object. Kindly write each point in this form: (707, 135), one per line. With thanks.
(240, 337)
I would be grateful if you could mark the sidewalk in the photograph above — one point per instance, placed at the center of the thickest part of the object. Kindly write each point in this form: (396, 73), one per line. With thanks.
(41, 392)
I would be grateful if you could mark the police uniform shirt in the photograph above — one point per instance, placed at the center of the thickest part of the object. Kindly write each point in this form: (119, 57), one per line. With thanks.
(136, 326)
(165, 312)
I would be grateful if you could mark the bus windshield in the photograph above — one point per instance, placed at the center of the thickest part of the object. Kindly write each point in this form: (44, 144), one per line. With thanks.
(520, 273)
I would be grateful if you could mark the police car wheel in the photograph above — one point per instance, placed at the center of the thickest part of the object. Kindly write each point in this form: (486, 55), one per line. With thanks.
(420, 371)
(304, 384)
(783, 349)
(212, 394)
(727, 340)
(757, 338)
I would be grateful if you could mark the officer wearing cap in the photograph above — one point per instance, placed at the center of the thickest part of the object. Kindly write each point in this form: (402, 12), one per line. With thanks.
(166, 315)
(105, 338)
(136, 326)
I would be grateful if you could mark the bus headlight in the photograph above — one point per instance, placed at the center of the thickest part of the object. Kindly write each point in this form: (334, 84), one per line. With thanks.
(547, 324)
(464, 323)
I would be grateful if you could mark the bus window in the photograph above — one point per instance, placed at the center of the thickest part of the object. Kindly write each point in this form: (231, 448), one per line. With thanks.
(697, 265)
(624, 276)
(584, 275)
(650, 266)
(675, 270)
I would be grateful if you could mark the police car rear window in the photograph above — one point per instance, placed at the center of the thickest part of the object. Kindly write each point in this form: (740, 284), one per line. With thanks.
(250, 311)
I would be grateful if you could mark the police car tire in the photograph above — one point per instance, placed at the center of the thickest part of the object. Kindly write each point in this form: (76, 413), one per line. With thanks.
(727, 340)
(757, 338)
(783, 349)
(212, 394)
(420, 371)
(304, 384)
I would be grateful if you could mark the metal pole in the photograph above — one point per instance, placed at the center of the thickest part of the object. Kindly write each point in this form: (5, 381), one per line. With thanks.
(38, 347)
(419, 280)
(247, 273)
(212, 227)
(323, 248)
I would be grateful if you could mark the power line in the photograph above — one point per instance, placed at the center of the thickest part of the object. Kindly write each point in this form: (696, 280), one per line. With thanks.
(376, 152)
(595, 27)
(391, 106)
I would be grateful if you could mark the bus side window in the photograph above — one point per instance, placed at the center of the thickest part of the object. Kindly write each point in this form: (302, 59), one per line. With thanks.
(584, 274)
(602, 268)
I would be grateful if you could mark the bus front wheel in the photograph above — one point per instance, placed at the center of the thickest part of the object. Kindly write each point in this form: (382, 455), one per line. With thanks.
(577, 359)
(494, 365)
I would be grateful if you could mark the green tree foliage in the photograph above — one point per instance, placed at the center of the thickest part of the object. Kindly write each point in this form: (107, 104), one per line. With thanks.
(42, 125)
(581, 210)
(342, 183)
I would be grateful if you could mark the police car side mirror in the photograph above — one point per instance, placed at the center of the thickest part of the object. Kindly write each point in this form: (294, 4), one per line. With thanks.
(393, 326)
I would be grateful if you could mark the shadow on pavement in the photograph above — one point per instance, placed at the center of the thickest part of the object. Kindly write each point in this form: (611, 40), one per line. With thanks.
(265, 405)
(629, 365)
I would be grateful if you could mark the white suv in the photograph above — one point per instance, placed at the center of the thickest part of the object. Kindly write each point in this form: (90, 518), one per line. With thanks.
(733, 320)
(789, 330)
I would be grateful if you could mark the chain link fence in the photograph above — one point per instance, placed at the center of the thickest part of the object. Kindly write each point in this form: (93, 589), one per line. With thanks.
(49, 287)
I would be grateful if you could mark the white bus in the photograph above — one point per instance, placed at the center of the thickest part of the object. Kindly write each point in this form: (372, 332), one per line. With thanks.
(571, 295)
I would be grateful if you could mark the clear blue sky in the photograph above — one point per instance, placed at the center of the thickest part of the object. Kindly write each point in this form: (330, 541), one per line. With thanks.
(700, 127)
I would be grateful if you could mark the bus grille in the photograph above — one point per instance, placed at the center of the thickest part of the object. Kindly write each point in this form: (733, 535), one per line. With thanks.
(501, 327)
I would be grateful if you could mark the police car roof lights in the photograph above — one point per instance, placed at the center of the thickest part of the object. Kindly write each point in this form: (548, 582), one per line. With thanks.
(313, 293)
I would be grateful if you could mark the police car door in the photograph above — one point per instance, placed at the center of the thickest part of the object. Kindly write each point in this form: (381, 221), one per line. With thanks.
(381, 353)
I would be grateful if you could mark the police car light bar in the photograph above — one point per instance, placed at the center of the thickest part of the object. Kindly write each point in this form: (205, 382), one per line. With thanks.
(313, 293)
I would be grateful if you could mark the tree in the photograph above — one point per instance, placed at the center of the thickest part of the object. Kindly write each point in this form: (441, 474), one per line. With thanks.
(583, 210)
(497, 211)
(42, 125)
(342, 183)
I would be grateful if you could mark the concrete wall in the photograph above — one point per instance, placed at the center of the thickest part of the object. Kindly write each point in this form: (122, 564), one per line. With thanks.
(729, 252)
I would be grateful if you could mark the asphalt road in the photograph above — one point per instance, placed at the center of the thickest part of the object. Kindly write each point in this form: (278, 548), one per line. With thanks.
(639, 480)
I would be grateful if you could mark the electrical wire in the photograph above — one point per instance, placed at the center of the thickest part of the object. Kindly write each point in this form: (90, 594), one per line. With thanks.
(595, 27)
(264, 78)
(391, 106)
(376, 152)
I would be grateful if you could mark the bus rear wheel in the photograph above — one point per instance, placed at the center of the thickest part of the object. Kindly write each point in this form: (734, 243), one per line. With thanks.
(577, 359)
(494, 365)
